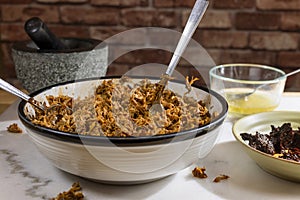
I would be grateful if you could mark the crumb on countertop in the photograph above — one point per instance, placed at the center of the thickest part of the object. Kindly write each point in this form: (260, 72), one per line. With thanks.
(14, 128)
(74, 193)
(199, 172)
(221, 177)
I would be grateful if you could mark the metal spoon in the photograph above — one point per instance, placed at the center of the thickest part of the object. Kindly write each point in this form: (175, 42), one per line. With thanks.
(244, 95)
(15, 91)
(195, 17)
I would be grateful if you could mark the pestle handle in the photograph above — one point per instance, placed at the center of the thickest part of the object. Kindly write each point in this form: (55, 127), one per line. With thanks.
(40, 34)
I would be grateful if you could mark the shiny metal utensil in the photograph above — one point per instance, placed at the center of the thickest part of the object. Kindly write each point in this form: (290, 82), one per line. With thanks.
(195, 17)
(15, 91)
(244, 95)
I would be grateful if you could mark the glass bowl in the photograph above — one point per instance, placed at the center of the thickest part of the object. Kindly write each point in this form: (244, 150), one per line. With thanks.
(248, 88)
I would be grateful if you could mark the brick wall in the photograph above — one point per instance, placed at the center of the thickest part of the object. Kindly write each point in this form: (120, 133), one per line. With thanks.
(256, 31)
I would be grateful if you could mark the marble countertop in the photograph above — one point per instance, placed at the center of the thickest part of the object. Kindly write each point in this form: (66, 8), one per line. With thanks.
(25, 174)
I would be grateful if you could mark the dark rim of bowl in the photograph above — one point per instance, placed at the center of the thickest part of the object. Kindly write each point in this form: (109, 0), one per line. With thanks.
(91, 44)
(123, 141)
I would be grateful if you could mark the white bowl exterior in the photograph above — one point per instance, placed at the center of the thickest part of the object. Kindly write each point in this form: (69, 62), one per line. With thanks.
(144, 164)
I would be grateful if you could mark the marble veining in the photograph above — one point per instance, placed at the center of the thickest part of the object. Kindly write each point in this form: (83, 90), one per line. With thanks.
(25, 174)
(17, 168)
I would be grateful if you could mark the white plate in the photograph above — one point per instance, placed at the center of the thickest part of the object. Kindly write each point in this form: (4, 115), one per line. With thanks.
(261, 122)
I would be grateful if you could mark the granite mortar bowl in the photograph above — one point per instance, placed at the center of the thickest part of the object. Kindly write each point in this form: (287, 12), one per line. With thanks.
(36, 69)
(123, 160)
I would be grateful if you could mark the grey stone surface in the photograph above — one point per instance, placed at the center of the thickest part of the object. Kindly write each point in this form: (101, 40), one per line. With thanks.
(37, 69)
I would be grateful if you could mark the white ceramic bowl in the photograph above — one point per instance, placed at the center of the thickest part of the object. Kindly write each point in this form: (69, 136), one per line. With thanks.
(123, 160)
(261, 122)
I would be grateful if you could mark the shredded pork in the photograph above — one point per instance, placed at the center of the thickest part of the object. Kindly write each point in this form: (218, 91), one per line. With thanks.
(120, 109)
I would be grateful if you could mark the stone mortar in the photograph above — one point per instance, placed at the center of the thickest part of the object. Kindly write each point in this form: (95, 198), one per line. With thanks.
(36, 69)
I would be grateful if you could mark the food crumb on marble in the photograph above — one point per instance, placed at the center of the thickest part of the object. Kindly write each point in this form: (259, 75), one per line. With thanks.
(220, 178)
(199, 172)
(14, 128)
(74, 193)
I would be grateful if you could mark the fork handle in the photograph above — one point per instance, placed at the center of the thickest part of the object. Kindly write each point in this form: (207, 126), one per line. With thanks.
(191, 25)
(13, 90)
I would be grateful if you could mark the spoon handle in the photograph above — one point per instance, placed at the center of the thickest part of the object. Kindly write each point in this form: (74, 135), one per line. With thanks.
(13, 90)
(291, 73)
(191, 25)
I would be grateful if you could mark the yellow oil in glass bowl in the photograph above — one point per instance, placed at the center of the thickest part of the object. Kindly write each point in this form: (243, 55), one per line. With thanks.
(254, 103)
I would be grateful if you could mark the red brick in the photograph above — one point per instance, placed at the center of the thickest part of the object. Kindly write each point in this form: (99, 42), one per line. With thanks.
(221, 39)
(164, 3)
(8, 70)
(133, 3)
(13, 32)
(234, 4)
(185, 3)
(201, 72)
(106, 2)
(89, 15)
(173, 3)
(195, 56)
(104, 33)
(15, 1)
(6, 52)
(117, 69)
(126, 3)
(144, 3)
(278, 4)
(163, 37)
(120, 36)
(293, 82)
(250, 34)
(290, 21)
(184, 71)
(134, 18)
(70, 31)
(273, 41)
(62, 1)
(15, 13)
(142, 56)
(248, 56)
(215, 54)
(257, 21)
(211, 19)
(291, 59)
(137, 17)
